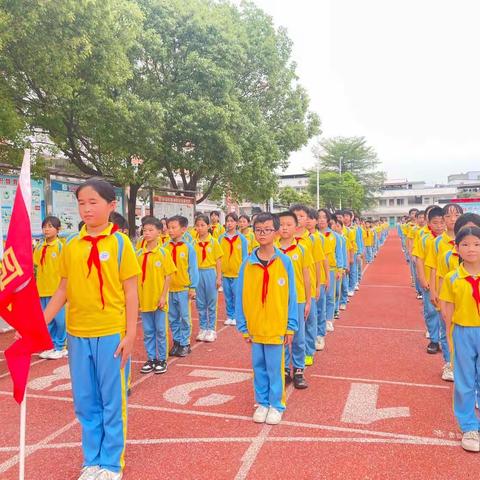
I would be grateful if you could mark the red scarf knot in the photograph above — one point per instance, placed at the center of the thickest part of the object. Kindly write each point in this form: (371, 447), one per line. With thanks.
(174, 251)
(94, 258)
(144, 266)
(266, 279)
(475, 283)
(231, 241)
(452, 243)
(327, 234)
(203, 246)
(435, 235)
(288, 249)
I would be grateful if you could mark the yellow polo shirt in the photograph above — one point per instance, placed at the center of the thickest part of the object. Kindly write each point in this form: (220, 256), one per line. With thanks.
(213, 252)
(216, 230)
(368, 237)
(186, 276)
(85, 315)
(233, 254)
(447, 262)
(441, 244)
(48, 274)
(159, 265)
(457, 290)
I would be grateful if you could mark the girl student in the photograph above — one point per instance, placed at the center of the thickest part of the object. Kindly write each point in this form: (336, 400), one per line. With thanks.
(209, 260)
(99, 281)
(460, 299)
(46, 258)
(247, 232)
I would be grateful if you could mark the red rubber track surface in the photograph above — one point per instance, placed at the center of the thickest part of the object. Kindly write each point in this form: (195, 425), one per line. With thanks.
(376, 407)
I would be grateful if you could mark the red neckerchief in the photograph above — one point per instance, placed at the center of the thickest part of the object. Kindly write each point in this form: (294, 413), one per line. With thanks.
(44, 253)
(368, 232)
(288, 249)
(163, 239)
(327, 234)
(144, 265)
(266, 279)
(433, 234)
(452, 243)
(94, 258)
(231, 241)
(174, 251)
(212, 228)
(455, 254)
(475, 283)
(203, 246)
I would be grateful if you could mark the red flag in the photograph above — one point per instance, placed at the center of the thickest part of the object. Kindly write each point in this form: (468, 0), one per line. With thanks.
(19, 300)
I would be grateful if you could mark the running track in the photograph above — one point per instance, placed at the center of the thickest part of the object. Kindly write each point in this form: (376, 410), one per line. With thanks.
(376, 407)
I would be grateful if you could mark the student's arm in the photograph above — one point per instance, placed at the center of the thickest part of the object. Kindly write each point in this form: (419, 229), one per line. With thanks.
(292, 325)
(56, 302)
(421, 273)
(125, 347)
(239, 313)
(308, 297)
(326, 267)
(318, 274)
(244, 241)
(192, 271)
(163, 296)
(433, 287)
(218, 268)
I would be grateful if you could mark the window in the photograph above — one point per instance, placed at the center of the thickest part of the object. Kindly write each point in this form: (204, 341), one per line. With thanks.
(391, 202)
(426, 200)
(382, 203)
(400, 201)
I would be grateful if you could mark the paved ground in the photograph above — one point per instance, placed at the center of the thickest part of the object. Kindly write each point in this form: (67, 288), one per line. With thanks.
(376, 407)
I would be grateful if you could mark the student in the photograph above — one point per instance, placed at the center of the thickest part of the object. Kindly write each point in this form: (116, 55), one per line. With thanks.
(301, 261)
(182, 286)
(99, 283)
(216, 228)
(267, 316)
(460, 299)
(235, 250)
(120, 221)
(350, 232)
(209, 259)
(164, 238)
(368, 240)
(46, 259)
(153, 284)
(342, 279)
(247, 232)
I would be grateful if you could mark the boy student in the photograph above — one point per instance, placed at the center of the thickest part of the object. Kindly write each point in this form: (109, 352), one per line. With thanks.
(305, 237)
(153, 284)
(368, 240)
(341, 287)
(216, 228)
(182, 286)
(266, 309)
(209, 258)
(350, 233)
(235, 251)
(46, 259)
(301, 261)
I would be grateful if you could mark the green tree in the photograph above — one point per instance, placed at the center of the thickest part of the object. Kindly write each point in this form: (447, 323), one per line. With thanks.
(355, 157)
(288, 196)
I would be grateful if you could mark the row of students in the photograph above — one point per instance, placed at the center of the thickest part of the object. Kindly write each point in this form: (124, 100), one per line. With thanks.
(446, 259)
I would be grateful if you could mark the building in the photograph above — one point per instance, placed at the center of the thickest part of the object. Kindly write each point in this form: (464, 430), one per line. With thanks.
(464, 178)
(297, 181)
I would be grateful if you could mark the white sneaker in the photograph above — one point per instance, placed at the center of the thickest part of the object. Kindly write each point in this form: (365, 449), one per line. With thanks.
(260, 414)
(357, 287)
(105, 474)
(427, 335)
(201, 335)
(54, 355)
(351, 294)
(45, 353)
(447, 373)
(320, 343)
(210, 336)
(89, 473)
(274, 416)
(343, 307)
(330, 327)
(471, 441)
(228, 321)
(233, 322)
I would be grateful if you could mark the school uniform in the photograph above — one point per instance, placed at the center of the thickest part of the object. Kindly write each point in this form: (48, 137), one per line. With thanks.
(351, 234)
(156, 264)
(447, 262)
(184, 279)
(343, 281)
(46, 258)
(217, 230)
(359, 253)
(95, 269)
(462, 289)
(368, 240)
(266, 315)
(207, 252)
(235, 251)
(251, 240)
(301, 258)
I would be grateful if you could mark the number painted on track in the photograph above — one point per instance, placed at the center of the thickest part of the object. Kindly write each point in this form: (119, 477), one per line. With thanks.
(43, 383)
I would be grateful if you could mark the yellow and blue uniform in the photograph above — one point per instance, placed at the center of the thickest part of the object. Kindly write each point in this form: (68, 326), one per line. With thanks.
(462, 290)
(235, 251)
(96, 323)
(208, 253)
(266, 315)
(183, 280)
(350, 234)
(217, 230)
(251, 240)
(156, 265)
(46, 258)
(342, 281)
(447, 262)
(369, 241)
(301, 259)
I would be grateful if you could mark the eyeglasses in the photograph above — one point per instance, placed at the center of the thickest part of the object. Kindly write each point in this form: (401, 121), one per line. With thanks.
(264, 231)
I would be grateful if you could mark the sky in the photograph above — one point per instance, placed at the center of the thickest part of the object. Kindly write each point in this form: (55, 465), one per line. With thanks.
(405, 74)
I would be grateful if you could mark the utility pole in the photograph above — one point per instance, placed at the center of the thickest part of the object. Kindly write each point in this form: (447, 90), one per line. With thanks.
(318, 186)
(341, 180)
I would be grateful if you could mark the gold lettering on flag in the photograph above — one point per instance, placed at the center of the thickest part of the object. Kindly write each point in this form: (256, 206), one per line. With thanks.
(11, 268)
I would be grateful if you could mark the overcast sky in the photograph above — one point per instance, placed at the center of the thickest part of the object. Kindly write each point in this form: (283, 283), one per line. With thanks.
(405, 74)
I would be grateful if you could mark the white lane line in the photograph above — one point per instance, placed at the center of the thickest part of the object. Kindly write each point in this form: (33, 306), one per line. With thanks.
(373, 380)
(423, 441)
(234, 369)
(386, 286)
(381, 328)
(12, 461)
(31, 365)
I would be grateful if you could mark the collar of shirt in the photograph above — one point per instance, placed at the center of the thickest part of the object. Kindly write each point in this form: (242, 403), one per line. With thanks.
(254, 260)
(107, 231)
(462, 272)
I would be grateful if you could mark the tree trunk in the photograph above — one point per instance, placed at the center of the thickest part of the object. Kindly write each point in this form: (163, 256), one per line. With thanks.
(132, 204)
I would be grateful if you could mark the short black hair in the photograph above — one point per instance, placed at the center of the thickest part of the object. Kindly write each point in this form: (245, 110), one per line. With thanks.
(203, 218)
(146, 218)
(464, 219)
(119, 220)
(53, 221)
(475, 231)
(348, 212)
(421, 212)
(152, 221)
(81, 223)
(435, 212)
(215, 212)
(287, 213)
(265, 217)
(454, 206)
(182, 221)
(413, 210)
(231, 215)
(312, 214)
(299, 207)
(326, 212)
(246, 217)
(101, 186)
(334, 218)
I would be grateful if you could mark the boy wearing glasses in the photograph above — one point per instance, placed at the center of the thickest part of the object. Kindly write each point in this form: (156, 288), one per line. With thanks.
(267, 316)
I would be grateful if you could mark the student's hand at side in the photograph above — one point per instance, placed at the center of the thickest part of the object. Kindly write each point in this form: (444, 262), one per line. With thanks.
(125, 348)
(288, 339)
(308, 306)
(338, 275)
(218, 283)
(425, 285)
(434, 299)
(317, 292)
(162, 303)
(191, 294)
(248, 339)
